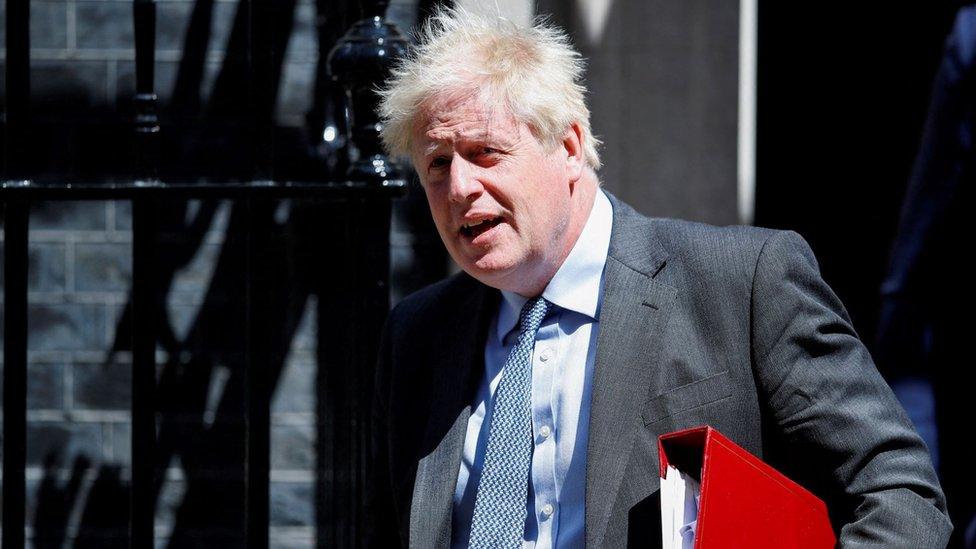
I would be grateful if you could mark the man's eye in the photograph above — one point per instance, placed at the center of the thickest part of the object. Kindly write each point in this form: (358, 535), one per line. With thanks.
(440, 162)
(487, 155)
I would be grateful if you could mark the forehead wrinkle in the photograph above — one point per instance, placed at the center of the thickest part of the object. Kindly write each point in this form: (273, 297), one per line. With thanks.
(446, 126)
(448, 136)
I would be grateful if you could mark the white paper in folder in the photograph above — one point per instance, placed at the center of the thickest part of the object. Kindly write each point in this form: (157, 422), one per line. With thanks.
(680, 495)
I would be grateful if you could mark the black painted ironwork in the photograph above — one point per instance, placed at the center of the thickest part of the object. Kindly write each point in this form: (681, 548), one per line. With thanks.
(17, 99)
(142, 496)
(146, 118)
(14, 371)
(16, 221)
(360, 61)
(259, 299)
(261, 84)
(128, 190)
(359, 207)
(350, 340)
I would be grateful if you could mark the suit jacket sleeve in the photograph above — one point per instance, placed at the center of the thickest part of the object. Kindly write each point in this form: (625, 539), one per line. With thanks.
(847, 436)
(933, 207)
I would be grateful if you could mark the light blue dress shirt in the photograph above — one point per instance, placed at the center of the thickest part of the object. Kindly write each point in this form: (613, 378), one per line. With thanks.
(562, 370)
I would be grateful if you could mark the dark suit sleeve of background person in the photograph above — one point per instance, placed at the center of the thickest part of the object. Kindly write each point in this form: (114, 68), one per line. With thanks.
(841, 429)
(928, 234)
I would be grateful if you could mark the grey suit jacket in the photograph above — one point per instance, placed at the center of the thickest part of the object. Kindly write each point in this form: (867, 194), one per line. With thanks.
(733, 327)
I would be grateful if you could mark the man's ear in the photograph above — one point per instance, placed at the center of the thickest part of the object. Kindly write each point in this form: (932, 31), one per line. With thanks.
(573, 146)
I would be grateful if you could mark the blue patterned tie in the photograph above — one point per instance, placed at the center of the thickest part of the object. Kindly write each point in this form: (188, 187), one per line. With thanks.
(499, 509)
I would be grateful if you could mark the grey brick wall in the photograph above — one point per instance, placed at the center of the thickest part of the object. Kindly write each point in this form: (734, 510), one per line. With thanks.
(80, 266)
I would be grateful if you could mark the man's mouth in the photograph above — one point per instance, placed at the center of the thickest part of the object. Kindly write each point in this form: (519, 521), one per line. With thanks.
(472, 230)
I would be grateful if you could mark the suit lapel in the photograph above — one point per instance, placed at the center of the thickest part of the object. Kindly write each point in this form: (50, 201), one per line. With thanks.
(454, 375)
(634, 311)
(430, 511)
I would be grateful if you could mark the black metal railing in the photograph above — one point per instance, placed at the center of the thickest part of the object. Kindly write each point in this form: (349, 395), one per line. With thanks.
(371, 44)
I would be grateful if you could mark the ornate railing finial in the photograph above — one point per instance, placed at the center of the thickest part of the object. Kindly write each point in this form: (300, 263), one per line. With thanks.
(359, 62)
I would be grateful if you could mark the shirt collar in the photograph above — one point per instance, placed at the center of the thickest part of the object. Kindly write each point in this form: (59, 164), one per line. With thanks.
(576, 285)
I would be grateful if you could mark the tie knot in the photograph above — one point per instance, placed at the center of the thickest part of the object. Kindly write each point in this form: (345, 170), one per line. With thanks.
(533, 312)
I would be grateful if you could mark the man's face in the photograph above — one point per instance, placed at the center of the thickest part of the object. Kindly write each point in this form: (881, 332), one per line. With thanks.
(500, 199)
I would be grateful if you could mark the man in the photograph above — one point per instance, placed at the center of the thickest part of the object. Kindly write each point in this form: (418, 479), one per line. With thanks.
(520, 401)
(923, 335)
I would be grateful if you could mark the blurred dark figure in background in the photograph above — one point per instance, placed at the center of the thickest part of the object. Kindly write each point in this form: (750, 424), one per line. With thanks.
(921, 329)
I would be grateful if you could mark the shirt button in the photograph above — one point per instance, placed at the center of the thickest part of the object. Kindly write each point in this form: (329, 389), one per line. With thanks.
(546, 355)
(547, 510)
(545, 431)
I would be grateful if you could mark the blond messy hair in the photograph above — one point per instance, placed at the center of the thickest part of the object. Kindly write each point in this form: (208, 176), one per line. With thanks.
(533, 72)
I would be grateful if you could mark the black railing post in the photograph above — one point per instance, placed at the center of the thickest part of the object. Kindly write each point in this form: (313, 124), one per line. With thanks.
(261, 97)
(144, 303)
(18, 88)
(15, 273)
(258, 364)
(359, 62)
(143, 501)
(261, 86)
(147, 119)
(14, 371)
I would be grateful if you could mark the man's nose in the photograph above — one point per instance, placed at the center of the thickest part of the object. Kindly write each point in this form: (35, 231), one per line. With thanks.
(464, 183)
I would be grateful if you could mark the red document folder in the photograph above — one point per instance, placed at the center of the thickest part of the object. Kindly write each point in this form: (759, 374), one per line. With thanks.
(744, 502)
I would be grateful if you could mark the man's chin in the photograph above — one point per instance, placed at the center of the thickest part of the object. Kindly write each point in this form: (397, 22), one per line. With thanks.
(491, 270)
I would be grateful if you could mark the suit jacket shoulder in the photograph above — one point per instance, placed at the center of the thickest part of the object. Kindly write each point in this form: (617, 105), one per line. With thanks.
(695, 243)
(698, 248)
